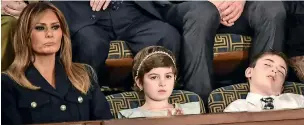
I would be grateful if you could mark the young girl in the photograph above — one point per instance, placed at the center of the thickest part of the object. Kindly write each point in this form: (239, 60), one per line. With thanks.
(154, 73)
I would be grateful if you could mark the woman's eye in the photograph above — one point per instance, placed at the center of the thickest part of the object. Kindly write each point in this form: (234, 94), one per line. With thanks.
(39, 28)
(56, 27)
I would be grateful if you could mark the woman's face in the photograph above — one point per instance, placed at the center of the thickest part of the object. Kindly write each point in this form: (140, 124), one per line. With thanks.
(47, 34)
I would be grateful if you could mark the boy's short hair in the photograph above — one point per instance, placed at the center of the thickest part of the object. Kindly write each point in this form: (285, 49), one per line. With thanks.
(271, 52)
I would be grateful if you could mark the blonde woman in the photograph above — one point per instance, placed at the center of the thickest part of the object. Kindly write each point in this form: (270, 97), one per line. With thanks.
(154, 72)
(43, 85)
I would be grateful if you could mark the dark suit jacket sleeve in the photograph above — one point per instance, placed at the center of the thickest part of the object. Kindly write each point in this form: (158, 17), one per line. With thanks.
(294, 7)
(9, 113)
(100, 109)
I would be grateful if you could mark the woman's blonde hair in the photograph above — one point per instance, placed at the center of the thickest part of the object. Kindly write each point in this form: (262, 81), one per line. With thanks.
(149, 58)
(78, 74)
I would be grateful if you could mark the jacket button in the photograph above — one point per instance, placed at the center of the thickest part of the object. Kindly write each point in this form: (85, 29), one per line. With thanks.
(34, 104)
(62, 107)
(80, 99)
(93, 17)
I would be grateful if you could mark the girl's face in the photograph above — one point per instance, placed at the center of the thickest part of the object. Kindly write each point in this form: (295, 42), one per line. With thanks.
(158, 84)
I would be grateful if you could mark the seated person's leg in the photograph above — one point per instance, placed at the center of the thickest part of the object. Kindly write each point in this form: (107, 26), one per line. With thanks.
(147, 32)
(198, 22)
(7, 53)
(267, 18)
(295, 37)
(91, 46)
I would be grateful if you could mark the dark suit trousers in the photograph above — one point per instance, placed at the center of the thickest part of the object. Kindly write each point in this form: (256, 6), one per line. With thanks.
(199, 22)
(295, 28)
(267, 19)
(135, 26)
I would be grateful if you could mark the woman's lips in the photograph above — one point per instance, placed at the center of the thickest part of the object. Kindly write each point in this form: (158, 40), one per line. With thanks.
(49, 43)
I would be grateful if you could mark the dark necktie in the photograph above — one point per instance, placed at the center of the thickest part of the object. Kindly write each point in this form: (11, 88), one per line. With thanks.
(116, 4)
(268, 103)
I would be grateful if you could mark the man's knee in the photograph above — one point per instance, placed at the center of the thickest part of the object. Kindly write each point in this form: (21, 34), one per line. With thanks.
(274, 11)
(87, 42)
(205, 11)
(91, 35)
(201, 14)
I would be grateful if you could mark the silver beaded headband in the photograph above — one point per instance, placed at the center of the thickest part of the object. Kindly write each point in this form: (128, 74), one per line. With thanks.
(156, 52)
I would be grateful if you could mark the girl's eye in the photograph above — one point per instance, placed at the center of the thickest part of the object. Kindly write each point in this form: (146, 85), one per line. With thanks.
(153, 77)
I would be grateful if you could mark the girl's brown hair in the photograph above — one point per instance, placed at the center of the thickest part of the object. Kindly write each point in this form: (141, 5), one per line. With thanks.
(78, 74)
(149, 58)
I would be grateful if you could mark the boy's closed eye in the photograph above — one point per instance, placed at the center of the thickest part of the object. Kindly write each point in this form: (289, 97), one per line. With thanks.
(267, 64)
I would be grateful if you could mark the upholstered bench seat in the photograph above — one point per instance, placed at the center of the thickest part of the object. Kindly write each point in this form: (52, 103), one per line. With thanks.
(129, 100)
(223, 43)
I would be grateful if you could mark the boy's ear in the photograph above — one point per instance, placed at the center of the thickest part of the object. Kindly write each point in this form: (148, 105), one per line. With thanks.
(248, 72)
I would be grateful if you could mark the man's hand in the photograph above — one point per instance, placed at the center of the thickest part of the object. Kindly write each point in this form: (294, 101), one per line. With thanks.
(229, 11)
(3, 5)
(14, 8)
(229, 17)
(98, 4)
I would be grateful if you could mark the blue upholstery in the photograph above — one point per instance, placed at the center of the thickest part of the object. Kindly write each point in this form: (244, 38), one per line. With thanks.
(222, 43)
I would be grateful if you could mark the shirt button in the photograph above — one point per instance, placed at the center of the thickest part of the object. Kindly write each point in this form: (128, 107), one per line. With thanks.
(93, 17)
(80, 99)
(34, 104)
(62, 107)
